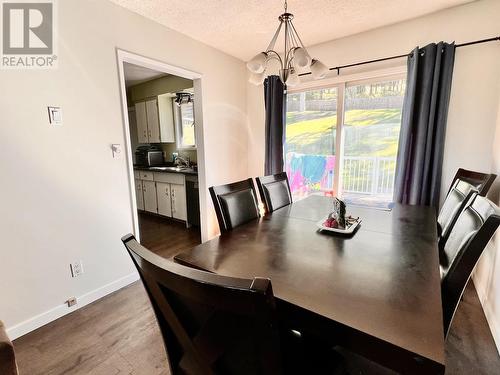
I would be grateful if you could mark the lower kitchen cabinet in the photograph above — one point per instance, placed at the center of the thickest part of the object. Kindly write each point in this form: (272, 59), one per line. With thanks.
(164, 200)
(171, 200)
(179, 209)
(139, 195)
(162, 193)
(150, 199)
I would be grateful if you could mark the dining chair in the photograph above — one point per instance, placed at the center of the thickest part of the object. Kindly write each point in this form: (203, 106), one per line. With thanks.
(481, 181)
(455, 201)
(469, 236)
(213, 324)
(274, 191)
(8, 364)
(235, 203)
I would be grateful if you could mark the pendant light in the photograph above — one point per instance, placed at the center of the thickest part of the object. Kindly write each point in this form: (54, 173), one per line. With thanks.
(295, 56)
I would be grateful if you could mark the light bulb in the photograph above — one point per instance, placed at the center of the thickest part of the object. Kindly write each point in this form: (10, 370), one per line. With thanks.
(257, 78)
(258, 63)
(293, 78)
(301, 58)
(318, 69)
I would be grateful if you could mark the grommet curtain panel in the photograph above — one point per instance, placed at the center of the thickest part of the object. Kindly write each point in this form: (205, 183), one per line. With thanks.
(274, 97)
(423, 125)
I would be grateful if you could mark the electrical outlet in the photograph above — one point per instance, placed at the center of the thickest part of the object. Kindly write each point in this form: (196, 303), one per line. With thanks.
(71, 301)
(76, 268)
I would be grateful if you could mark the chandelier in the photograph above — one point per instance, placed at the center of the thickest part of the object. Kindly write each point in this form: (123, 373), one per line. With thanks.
(294, 57)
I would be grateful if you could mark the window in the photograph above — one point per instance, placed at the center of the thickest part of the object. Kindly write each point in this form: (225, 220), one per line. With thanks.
(361, 168)
(184, 120)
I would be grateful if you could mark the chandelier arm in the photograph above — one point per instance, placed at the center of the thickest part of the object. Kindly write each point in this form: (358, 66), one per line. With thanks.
(293, 46)
(286, 43)
(275, 55)
(300, 40)
(275, 37)
(295, 36)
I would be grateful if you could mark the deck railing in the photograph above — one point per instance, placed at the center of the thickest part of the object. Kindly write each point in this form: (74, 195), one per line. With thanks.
(372, 175)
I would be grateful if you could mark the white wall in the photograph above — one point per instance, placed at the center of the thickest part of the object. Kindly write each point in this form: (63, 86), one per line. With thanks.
(64, 197)
(473, 105)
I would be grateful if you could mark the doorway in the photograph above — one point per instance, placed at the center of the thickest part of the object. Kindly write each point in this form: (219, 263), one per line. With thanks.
(163, 126)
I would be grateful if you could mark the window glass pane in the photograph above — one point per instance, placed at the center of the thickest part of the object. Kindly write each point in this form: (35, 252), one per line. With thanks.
(372, 121)
(311, 122)
(187, 124)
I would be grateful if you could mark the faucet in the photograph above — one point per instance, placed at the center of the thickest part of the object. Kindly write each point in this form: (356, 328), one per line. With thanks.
(183, 161)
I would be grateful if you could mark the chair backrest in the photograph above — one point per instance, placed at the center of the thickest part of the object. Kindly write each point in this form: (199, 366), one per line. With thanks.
(8, 364)
(235, 203)
(210, 324)
(274, 191)
(455, 201)
(469, 236)
(481, 181)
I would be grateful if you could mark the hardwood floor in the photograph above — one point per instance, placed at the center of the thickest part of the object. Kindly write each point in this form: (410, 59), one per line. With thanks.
(470, 347)
(167, 237)
(118, 334)
(115, 335)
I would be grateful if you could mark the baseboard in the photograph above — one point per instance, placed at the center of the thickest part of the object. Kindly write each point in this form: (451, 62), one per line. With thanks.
(40, 320)
(492, 320)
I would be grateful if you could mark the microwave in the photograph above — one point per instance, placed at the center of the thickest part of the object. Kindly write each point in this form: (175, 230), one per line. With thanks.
(149, 158)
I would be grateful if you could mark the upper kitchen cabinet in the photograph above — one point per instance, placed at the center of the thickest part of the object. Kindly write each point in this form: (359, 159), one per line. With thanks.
(155, 120)
(142, 122)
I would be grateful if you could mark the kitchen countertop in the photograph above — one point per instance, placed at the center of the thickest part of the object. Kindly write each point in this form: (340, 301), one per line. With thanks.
(165, 169)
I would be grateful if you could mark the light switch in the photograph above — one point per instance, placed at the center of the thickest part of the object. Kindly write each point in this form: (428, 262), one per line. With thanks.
(55, 115)
(117, 150)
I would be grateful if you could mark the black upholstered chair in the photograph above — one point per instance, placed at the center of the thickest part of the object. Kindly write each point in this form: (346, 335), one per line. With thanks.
(235, 203)
(274, 191)
(469, 236)
(214, 324)
(481, 181)
(455, 201)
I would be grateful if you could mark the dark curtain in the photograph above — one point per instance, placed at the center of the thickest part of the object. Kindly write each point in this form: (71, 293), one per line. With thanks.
(274, 96)
(423, 125)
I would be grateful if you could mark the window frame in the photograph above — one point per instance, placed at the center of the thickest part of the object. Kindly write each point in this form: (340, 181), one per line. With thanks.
(341, 83)
(178, 127)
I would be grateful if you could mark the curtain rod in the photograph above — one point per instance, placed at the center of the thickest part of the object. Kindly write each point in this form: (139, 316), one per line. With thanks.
(337, 68)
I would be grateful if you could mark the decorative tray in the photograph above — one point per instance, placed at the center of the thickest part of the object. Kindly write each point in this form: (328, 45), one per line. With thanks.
(351, 224)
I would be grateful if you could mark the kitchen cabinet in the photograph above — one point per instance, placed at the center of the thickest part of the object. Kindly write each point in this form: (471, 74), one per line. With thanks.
(155, 120)
(171, 200)
(179, 209)
(162, 193)
(139, 195)
(142, 122)
(164, 199)
(150, 199)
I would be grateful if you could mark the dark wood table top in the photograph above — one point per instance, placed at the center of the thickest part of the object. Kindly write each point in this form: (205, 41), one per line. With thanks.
(383, 281)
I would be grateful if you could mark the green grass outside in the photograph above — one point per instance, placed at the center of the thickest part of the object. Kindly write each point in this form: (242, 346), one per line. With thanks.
(367, 132)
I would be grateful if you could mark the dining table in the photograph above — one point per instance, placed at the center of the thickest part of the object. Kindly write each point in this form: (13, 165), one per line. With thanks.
(375, 292)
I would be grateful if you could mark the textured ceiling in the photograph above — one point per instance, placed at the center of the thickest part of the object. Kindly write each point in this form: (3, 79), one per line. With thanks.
(242, 28)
